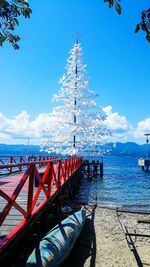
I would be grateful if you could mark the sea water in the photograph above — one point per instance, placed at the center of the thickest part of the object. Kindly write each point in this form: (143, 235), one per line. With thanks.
(123, 185)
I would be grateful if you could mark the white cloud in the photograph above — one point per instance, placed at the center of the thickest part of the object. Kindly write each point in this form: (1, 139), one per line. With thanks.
(3, 121)
(116, 122)
(142, 128)
(122, 130)
(21, 127)
(18, 129)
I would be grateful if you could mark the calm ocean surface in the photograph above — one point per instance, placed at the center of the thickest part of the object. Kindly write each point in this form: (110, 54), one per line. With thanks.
(124, 185)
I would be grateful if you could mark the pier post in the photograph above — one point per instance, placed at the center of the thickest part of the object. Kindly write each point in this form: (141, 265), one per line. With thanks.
(88, 167)
(101, 169)
(95, 167)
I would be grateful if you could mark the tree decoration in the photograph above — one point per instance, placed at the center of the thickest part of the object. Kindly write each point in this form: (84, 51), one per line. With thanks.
(78, 126)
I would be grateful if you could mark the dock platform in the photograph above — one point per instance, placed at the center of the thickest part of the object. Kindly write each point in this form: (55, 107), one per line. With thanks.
(144, 164)
(93, 168)
(26, 194)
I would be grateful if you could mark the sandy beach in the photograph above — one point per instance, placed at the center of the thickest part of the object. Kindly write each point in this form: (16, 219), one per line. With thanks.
(102, 242)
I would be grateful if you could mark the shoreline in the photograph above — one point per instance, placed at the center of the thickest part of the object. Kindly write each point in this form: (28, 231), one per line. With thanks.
(102, 242)
(128, 208)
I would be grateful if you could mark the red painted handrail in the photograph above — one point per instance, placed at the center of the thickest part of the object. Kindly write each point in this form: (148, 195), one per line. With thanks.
(19, 163)
(57, 172)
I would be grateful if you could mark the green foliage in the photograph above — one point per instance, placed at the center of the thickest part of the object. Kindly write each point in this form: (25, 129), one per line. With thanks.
(114, 3)
(144, 25)
(9, 13)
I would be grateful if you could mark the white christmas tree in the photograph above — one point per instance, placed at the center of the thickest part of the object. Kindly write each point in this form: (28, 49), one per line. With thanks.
(78, 126)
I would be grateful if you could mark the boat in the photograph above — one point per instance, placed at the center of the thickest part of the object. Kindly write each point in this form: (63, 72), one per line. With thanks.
(57, 244)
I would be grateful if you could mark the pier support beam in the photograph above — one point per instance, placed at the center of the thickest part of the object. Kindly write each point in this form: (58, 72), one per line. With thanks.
(93, 169)
(144, 164)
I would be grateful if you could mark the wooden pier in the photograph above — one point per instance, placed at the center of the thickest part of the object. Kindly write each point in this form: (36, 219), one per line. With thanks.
(93, 168)
(144, 164)
(25, 195)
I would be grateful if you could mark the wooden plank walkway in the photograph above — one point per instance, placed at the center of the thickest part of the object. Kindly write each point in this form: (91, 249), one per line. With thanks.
(22, 199)
(8, 185)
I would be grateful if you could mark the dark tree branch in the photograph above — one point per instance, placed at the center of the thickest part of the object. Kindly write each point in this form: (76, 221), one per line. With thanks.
(114, 3)
(9, 13)
(144, 25)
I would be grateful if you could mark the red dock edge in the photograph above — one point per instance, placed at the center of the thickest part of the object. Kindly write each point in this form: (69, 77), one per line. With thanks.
(56, 174)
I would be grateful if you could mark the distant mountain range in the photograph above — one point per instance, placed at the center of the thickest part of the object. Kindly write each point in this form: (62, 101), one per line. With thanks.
(19, 150)
(128, 149)
(115, 149)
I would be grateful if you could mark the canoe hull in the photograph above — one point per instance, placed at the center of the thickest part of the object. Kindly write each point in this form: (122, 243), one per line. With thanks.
(55, 247)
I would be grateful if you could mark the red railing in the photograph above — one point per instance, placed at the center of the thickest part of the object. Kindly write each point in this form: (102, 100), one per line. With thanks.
(10, 164)
(54, 177)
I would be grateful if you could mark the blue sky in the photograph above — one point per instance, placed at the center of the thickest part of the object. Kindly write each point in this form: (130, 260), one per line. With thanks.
(117, 62)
